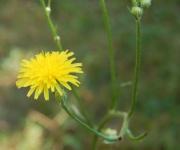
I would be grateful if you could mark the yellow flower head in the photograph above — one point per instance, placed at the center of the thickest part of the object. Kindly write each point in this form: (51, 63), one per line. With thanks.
(49, 71)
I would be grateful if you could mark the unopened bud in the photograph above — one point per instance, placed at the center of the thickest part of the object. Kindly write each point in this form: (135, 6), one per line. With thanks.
(137, 11)
(111, 133)
(57, 38)
(48, 9)
(146, 3)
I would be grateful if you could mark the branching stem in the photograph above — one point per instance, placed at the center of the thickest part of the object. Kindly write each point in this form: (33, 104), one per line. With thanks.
(85, 125)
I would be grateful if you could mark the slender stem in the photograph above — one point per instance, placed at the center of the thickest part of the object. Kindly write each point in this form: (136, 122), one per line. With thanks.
(136, 68)
(49, 3)
(104, 120)
(83, 112)
(114, 90)
(111, 54)
(136, 138)
(52, 27)
(75, 117)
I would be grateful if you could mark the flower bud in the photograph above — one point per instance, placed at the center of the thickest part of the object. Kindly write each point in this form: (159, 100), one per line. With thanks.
(137, 11)
(57, 38)
(145, 3)
(111, 133)
(48, 9)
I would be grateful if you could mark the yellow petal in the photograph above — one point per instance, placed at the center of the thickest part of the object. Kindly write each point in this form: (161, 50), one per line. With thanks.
(46, 93)
(38, 92)
(59, 90)
(31, 91)
(66, 85)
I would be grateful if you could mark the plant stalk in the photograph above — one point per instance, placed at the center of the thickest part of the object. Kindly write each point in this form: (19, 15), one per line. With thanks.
(85, 125)
(136, 68)
(52, 27)
(114, 89)
(111, 54)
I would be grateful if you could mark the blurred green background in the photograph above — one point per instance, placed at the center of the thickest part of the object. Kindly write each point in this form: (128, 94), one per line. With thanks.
(34, 125)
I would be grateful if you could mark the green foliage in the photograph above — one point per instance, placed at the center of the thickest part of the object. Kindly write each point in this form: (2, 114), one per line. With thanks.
(24, 31)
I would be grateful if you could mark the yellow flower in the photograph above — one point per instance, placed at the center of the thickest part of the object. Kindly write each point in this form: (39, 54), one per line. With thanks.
(49, 71)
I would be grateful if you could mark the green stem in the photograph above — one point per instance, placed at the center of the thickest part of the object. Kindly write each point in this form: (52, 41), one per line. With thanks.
(114, 90)
(80, 103)
(111, 54)
(136, 68)
(75, 117)
(49, 3)
(136, 138)
(52, 27)
(104, 120)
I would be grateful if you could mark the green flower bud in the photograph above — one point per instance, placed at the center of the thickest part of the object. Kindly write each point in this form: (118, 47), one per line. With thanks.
(48, 9)
(137, 11)
(145, 3)
(112, 133)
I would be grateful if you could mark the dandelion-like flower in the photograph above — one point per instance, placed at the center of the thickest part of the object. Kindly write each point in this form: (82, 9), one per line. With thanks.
(49, 71)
